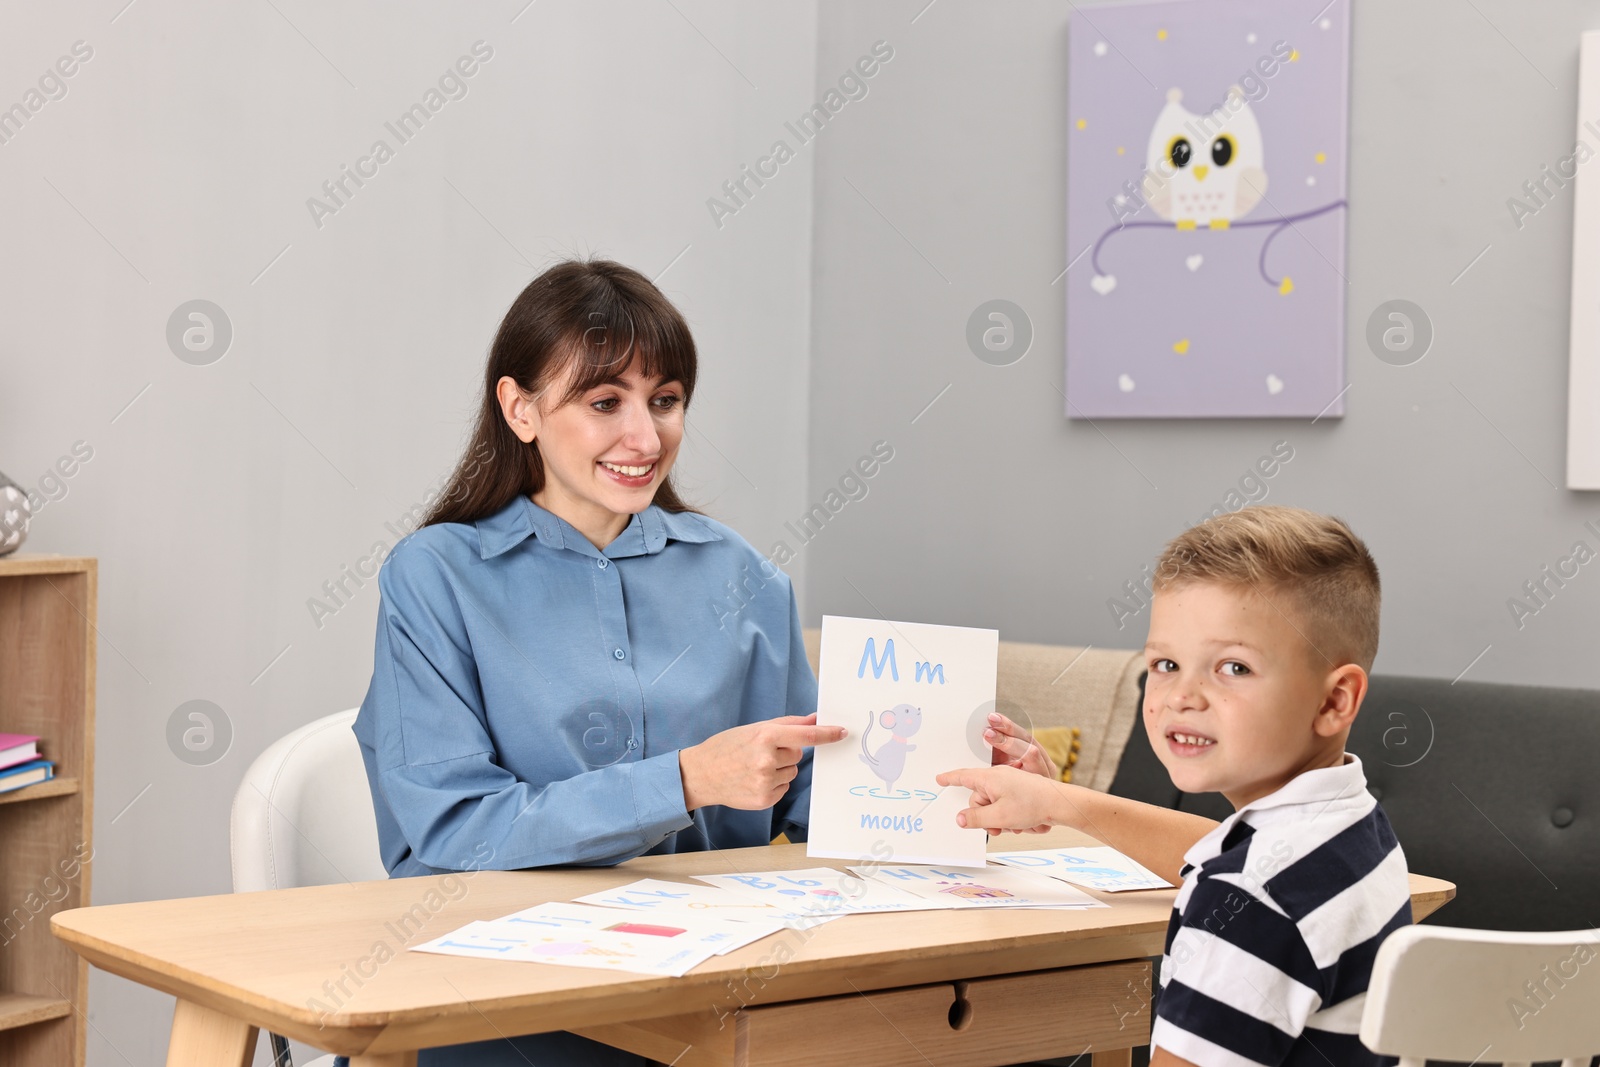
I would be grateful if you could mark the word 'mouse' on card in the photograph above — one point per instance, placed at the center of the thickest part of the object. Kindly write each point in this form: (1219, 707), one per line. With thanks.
(915, 699)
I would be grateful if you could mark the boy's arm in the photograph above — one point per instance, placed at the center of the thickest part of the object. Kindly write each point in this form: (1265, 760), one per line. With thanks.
(1155, 836)
(1005, 798)
(1160, 1057)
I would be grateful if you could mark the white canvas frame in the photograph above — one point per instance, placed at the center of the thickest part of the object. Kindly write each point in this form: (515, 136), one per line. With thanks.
(1583, 386)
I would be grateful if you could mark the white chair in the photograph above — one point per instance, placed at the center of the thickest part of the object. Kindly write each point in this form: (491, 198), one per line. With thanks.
(1485, 996)
(303, 816)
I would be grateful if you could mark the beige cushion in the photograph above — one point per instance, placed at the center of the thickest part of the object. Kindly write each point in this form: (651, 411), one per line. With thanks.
(1094, 689)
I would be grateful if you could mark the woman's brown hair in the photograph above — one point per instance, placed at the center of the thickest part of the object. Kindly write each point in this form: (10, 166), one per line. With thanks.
(595, 317)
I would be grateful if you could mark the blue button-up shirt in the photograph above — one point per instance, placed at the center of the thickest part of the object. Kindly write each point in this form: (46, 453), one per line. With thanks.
(530, 692)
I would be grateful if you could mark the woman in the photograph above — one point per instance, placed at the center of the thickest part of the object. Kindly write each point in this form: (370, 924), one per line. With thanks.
(572, 665)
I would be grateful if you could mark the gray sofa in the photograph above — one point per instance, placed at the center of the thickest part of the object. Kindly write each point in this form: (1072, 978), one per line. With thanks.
(1493, 787)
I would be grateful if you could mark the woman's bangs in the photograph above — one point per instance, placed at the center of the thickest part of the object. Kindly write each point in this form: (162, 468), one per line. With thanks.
(617, 339)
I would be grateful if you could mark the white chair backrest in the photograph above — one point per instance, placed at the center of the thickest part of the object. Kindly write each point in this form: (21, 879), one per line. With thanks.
(1485, 996)
(303, 814)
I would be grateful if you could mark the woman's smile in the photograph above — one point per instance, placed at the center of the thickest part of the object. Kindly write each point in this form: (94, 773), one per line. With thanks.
(634, 476)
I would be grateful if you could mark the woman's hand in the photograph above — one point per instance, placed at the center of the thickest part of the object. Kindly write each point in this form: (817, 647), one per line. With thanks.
(1015, 747)
(750, 767)
(1007, 798)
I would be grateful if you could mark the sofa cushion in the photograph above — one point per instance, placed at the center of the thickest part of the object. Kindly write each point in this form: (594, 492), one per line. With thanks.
(1492, 787)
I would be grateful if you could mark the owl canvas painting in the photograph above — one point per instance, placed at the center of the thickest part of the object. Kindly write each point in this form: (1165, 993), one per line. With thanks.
(1206, 209)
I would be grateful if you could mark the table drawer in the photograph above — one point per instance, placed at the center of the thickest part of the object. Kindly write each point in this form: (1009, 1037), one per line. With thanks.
(982, 1022)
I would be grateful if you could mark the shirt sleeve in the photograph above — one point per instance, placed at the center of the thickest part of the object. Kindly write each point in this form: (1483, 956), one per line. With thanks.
(791, 816)
(1237, 983)
(437, 770)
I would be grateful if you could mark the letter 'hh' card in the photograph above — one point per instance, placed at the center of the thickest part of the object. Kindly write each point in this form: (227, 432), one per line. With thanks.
(915, 699)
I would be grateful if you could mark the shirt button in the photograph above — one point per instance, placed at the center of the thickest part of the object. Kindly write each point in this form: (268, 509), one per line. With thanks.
(601, 563)
(618, 653)
(632, 744)
(1561, 818)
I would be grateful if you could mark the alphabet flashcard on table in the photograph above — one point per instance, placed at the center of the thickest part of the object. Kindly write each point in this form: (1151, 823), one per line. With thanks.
(1098, 867)
(719, 935)
(669, 898)
(915, 698)
(820, 890)
(652, 953)
(981, 887)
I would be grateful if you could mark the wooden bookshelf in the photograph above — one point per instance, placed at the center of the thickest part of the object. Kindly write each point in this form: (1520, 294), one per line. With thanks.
(47, 664)
(55, 787)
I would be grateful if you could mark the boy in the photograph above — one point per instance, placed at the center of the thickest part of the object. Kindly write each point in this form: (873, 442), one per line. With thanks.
(1263, 626)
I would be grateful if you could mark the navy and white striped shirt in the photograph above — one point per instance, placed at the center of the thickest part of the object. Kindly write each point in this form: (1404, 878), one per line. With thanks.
(1273, 933)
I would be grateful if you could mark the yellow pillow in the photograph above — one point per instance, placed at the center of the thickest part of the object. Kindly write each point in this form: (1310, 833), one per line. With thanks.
(1062, 743)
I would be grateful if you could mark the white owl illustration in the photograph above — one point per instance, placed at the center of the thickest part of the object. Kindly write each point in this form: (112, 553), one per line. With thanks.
(1205, 169)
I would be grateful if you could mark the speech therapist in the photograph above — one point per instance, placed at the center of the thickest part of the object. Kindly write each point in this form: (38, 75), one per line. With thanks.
(560, 674)
(573, 666)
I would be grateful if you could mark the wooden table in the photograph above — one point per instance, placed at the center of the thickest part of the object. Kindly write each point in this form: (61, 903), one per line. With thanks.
(327, 965)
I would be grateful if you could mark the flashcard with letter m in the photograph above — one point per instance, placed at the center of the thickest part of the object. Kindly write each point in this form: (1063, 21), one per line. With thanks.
(914, 698)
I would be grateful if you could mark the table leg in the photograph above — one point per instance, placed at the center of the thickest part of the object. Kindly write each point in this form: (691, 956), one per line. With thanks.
(1113, 1057)
(205, 1037)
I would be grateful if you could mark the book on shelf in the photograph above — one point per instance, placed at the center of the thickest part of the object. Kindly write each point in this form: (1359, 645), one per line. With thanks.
(32, 773)
(17, 748)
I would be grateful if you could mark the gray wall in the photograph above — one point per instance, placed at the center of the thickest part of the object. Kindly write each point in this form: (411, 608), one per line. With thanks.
(177, 166)
(220, 498)
(998, 512)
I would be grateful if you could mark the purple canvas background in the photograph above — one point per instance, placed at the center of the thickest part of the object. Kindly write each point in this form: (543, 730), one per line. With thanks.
(1240, 329)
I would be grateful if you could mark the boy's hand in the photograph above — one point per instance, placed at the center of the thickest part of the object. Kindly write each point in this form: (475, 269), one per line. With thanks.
(1005, 798)
(1014, 746)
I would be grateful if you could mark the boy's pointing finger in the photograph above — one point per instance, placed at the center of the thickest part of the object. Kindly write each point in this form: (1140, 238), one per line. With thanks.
(966, 777)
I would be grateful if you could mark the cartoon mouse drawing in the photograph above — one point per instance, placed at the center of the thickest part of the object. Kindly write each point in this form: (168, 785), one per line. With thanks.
(889, 762)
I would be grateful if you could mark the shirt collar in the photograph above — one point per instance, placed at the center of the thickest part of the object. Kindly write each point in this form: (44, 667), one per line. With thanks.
(647, 531)
(1324, 787)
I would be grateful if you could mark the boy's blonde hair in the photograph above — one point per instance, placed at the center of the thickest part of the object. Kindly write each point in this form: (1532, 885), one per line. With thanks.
(1316, 561)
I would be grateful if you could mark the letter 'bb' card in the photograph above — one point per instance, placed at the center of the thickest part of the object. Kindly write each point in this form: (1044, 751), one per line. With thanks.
(915, 699)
